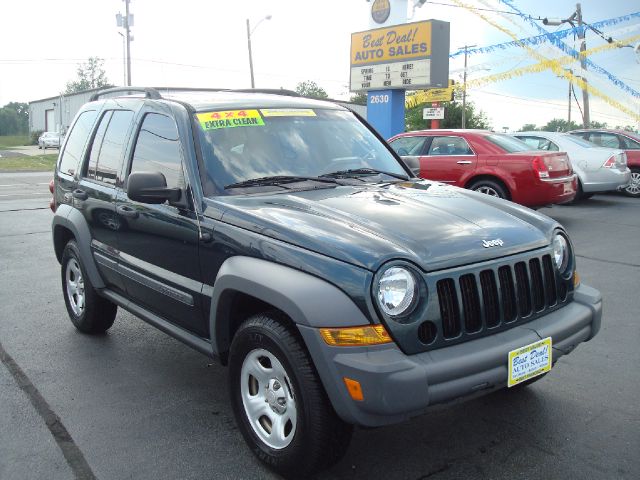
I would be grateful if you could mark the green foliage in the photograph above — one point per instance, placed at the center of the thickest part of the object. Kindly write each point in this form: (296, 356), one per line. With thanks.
(10, 141)
(35, 135)
(452, 117)
(598, 125)
(14, 118)
(528, 127)
(359, 98)
(35, 163)
(91, 74)
(560, 125)
(628, 128)
(311, 89)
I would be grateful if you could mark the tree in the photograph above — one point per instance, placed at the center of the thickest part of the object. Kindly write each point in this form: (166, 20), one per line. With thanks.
(14, 118)
(598, 125)
(560, 125)
(452, 117)
(91, 74)
(311, 89)
(527, 127)
(359, 98)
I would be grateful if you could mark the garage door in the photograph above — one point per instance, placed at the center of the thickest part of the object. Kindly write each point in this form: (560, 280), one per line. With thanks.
(49, 121)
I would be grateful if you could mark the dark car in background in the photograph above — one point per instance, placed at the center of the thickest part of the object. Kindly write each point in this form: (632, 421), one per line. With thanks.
(624, 140)
(489, 162)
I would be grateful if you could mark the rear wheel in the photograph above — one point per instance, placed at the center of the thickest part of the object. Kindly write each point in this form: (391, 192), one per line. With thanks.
(280, 405)
(489, 187)
(633, 189)
(89, 312)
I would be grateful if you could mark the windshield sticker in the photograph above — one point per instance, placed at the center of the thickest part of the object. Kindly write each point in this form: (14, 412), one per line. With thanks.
(230, 119)
(287, 112)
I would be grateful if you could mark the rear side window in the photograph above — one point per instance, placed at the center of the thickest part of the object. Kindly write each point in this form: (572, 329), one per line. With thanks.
(605, 140)
(408, 145)
(449, 146)
(74, 147)
(539, 143)
(158, 149)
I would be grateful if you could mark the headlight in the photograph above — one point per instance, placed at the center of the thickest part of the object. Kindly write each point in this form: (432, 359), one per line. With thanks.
(396, 291)
(560, 252)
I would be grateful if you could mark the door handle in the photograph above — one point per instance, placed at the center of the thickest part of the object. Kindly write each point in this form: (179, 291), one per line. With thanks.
(464, 162)
(80, 194)
(127, 211)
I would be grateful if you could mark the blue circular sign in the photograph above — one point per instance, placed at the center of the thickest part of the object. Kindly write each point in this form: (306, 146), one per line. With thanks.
(380, 10)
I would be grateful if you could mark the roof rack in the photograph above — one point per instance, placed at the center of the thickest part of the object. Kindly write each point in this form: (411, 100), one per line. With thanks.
(154, 93)
(273, 91)
(149, 92)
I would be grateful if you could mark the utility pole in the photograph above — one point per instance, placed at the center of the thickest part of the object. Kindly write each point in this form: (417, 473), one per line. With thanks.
(583, 64)
(464, 86)
(569, 104)
(126, 26)
(253, 85)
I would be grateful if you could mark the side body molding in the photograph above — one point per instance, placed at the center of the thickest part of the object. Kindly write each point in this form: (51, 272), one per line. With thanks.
(71, 219)
(306, 299)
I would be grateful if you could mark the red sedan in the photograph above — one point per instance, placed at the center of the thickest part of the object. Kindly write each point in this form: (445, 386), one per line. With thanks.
(490, 163)
(624, 140)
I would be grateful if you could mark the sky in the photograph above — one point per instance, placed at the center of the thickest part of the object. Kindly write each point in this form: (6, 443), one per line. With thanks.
(195, 43)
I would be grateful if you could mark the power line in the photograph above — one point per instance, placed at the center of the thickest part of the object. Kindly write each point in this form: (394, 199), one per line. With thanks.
(479, 8)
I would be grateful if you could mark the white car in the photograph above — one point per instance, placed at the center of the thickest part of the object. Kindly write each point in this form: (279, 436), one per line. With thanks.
(599, 169)
(49, 140)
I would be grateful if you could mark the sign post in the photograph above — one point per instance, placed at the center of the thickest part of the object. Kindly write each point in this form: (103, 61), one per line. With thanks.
(385, 62)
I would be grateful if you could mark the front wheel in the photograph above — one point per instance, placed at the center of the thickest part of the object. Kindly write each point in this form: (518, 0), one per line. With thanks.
(280, 405)
(633, 189)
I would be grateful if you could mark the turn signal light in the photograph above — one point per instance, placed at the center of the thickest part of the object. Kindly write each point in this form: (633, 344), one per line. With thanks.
(354, 389)
(576, 279)
(355, 336)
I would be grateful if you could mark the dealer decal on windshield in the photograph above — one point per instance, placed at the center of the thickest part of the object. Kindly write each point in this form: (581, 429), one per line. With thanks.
(230, 119)
(287, 112)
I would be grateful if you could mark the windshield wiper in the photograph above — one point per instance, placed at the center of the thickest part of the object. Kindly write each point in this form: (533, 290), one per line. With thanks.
(276, 180)
(355, 172)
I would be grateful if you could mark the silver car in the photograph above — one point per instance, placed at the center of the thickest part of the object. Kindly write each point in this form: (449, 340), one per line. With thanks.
(599, 169)
(49, 140)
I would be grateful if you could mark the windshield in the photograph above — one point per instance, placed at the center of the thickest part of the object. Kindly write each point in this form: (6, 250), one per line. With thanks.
(242, 145)
(507, 143)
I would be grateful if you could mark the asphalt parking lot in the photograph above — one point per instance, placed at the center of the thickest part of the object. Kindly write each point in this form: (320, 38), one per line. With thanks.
(135, 403)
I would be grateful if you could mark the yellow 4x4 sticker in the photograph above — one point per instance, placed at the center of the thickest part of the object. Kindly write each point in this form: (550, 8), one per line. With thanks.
(229, 119)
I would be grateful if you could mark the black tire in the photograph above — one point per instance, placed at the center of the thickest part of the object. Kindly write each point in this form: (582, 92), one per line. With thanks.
(633, 189)
(319, 438)
(490, 187)
(92, 313)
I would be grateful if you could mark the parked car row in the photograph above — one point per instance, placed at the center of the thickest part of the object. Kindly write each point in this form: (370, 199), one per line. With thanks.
(49, 140)
(530, 168)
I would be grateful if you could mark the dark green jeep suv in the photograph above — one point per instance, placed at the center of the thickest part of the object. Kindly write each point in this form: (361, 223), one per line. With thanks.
(283, 237)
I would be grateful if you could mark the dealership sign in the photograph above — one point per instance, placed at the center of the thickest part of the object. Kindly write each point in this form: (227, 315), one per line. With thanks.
(433, 113)
(409, 56)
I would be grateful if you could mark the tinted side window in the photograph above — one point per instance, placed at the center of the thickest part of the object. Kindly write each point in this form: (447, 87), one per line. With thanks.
(97, 143)
(408, 145)
(112, 150)
(630, 144)
(605, 140)
(158, 149)
(75, 143)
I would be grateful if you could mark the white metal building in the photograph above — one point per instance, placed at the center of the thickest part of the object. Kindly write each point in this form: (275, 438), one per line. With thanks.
(55, 114)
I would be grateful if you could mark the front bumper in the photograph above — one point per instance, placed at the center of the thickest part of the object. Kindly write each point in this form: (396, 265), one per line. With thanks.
(398, 386)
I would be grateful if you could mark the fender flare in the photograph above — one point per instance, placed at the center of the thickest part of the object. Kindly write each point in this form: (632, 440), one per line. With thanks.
(306, 299)
(71, 219)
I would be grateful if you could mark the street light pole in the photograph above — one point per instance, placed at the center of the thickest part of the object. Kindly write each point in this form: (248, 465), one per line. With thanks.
(583, 64)
(126, 26)
(124, 60)
(249, 33)
(464, 86)
(253, 85)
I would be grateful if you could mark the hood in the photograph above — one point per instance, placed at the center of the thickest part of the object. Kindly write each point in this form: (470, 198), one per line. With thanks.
(432, 225)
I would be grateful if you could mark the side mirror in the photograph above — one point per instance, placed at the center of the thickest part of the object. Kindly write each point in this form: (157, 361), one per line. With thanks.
(151, 187)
